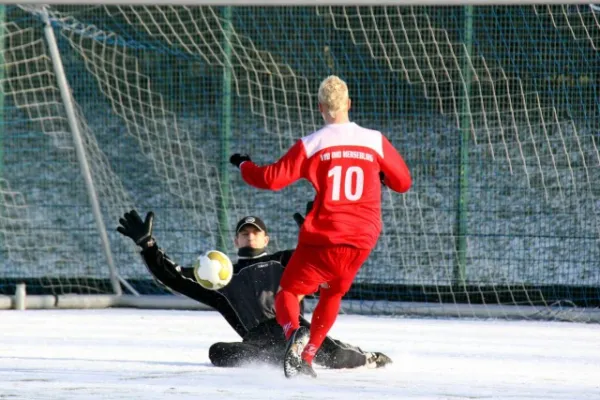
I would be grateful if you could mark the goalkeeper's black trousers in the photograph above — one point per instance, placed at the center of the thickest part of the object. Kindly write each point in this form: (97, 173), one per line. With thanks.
(266, 344)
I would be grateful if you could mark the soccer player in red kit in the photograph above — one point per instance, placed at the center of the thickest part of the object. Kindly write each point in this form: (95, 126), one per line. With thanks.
(346, 164)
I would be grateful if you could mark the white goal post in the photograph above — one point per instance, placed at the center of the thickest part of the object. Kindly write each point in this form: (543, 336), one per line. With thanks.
(493, 104)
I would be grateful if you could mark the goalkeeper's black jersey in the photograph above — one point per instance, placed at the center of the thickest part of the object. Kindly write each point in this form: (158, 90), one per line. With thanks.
(245, 302)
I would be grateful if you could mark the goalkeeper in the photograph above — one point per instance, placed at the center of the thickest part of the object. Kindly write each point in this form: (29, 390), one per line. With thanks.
(247, 302)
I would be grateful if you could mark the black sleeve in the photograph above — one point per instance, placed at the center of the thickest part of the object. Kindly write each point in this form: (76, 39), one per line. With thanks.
(181, 280)
(283, 256)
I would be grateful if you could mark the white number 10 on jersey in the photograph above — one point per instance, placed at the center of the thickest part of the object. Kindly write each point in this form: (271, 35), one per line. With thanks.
(354, 177)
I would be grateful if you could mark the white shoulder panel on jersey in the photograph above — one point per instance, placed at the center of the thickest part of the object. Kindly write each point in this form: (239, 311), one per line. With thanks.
(349, 134)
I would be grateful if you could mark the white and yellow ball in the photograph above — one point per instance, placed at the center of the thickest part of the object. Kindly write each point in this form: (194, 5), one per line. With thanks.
(213, 270)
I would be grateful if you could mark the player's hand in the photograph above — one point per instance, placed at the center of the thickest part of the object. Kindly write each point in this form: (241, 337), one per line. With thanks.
(382, 178)
(237, 159)
(139, 231)
(299, 218)
(309, 206)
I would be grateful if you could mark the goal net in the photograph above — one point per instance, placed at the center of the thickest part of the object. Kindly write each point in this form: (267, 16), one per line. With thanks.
(494, 108)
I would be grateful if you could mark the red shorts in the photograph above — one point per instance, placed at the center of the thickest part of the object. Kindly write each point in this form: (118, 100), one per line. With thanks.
(311, 266)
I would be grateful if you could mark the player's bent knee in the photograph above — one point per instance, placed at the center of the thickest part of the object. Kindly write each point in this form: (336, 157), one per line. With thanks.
(215, 353)
(224, 355)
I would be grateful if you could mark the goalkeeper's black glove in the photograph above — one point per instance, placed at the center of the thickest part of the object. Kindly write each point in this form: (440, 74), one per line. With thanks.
(382, 178)
(139, 231)
(237, 159)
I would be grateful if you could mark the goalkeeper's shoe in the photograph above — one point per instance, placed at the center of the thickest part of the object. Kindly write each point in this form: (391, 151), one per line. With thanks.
(293, 363)
(377, 360)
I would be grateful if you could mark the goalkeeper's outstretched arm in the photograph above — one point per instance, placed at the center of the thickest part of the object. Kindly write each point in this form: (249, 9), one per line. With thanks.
(172, 275)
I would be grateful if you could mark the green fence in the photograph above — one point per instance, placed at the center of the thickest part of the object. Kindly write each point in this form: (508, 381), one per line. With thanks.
(495, 110)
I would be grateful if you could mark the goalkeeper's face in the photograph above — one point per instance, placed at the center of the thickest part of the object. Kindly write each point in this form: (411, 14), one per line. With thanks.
(251, 236)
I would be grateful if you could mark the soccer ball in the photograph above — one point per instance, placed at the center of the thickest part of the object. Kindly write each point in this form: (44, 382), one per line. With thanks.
(213, 270)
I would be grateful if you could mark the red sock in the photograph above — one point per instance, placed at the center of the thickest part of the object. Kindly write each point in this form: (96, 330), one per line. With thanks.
(323, 318)
(287, 312)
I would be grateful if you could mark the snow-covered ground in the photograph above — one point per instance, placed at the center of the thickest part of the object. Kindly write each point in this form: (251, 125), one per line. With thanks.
(142, 354)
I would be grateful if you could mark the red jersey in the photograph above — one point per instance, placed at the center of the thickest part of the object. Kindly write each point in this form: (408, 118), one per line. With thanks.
(342, 162)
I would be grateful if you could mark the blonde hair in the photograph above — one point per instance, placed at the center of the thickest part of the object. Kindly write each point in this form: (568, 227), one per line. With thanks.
(333, 93)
